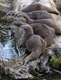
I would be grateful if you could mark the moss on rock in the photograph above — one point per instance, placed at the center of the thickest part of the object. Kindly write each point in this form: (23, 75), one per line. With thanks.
(55, 62)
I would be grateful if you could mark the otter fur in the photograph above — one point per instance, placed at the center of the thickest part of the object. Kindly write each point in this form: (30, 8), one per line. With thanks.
(37, 6)
(34, 43)
(39, 14)
(43, 30)
(46, 32)
(49, 22)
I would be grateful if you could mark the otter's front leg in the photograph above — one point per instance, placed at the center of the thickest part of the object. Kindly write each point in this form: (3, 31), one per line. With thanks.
(32, 56)
(20, 43)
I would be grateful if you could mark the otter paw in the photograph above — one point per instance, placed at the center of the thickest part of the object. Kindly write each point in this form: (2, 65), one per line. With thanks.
(26, 61)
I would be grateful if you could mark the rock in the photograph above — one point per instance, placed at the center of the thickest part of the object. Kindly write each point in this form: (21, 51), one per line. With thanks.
(49, 4)
(20, 4)
(55, 53)
(4, 7)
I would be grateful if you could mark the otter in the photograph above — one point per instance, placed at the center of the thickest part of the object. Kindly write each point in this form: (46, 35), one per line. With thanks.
(49, 22)
(34, 43)
(46, 32)
(39, 14)
(15, 31)
(14, 26)
(11, 15)
(37, 6)
(25, 16)
(17, 35)
(43, 30)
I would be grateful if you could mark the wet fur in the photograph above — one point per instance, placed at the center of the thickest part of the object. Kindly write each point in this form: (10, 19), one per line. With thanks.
(49, 22)
(46, 32)
(37, 6)
(34, 43)
(39, 14)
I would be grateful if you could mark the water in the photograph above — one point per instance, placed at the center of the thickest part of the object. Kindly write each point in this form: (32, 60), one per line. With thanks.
(7, 51)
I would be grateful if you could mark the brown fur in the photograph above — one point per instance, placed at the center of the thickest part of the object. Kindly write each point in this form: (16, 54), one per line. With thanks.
(34, 43)
(43, 30)
(11, 13)
(14, 16)
(46, 32)
(18, 34)
(29, 38)
(25, 16)
(15, 31)
(37, 6)
(39, 14)
(49, 22)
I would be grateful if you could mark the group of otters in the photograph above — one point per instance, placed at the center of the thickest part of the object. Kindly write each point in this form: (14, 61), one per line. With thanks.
(39, 29)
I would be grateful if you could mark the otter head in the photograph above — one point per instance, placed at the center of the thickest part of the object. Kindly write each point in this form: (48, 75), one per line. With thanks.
(28, 30)
(10, 16)
(25, 18)
(11, 13)
(16, 32)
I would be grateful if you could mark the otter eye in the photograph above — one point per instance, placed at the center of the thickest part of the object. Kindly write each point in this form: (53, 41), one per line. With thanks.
(24, 16)
(13, 14)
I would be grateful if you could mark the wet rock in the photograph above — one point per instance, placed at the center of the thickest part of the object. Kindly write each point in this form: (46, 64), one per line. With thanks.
(16, 70)
(58, 42)
(55, 53)
(7, 44)
(37, 67)
(20, 4)
(2, 37)
(5, 20)
(55, 62)
(5, 5)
